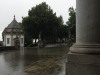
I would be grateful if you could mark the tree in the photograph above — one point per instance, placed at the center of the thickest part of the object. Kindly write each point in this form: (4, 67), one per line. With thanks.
(41, 21)
(62, 30)
(72, 23)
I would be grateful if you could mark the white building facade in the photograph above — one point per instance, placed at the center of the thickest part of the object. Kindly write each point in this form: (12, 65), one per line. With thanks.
(13, 34)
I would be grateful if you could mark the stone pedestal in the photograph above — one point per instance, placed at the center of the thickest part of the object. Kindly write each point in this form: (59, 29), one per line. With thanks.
(83, 64)
(84, 55)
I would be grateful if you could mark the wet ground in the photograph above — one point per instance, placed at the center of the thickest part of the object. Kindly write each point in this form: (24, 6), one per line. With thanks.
(15, 62)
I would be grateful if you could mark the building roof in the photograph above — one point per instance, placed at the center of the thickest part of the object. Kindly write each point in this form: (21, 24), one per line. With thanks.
(13, 24)
(14, 27)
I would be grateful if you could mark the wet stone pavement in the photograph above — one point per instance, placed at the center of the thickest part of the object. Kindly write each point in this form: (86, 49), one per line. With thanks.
(32, 61)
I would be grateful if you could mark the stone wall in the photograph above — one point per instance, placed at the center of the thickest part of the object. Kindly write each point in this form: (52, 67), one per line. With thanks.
(7, 48)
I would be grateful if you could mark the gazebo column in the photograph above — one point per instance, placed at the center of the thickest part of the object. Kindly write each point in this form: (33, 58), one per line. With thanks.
(83, 57)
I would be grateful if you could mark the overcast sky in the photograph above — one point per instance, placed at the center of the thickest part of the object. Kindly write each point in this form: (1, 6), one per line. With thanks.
(19, 8)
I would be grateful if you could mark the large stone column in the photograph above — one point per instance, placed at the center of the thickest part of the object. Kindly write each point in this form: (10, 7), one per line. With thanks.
(84, 55)
(87, 27)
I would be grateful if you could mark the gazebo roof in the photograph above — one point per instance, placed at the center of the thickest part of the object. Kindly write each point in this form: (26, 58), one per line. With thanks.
(13, 24)
(13, 27)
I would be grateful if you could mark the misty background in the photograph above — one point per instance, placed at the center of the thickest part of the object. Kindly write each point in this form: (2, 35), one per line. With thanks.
(20, 8)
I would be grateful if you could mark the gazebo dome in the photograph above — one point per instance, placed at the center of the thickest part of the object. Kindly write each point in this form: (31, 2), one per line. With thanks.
(13, 24)
(13, 27)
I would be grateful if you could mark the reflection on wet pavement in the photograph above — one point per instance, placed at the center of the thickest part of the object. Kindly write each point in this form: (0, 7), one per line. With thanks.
(15, 62)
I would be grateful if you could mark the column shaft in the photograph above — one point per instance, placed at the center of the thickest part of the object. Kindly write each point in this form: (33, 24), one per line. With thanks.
(87, 27)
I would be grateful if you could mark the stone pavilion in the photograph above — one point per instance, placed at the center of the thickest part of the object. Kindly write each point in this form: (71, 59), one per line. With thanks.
(13, 34)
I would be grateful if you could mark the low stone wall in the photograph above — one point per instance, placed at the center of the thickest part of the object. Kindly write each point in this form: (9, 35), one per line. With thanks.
(7, 48)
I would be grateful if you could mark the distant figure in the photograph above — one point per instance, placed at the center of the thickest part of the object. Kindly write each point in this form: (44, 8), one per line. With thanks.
(17, 42)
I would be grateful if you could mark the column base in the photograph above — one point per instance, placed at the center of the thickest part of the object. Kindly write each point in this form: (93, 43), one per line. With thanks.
(83, 64)
(86, 49)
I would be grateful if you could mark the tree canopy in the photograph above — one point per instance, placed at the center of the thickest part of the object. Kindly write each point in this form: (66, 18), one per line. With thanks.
(72, 22)
(41, 20)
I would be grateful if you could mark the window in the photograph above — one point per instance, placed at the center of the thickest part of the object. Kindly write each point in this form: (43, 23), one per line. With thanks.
(8, 40)
(21, 40)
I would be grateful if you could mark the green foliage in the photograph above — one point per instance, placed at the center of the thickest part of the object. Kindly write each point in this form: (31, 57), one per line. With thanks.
(62, 29)
(72, 22)
(41, 19)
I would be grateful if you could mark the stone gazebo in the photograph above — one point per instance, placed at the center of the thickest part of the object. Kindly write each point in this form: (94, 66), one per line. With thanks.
(13, 34)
